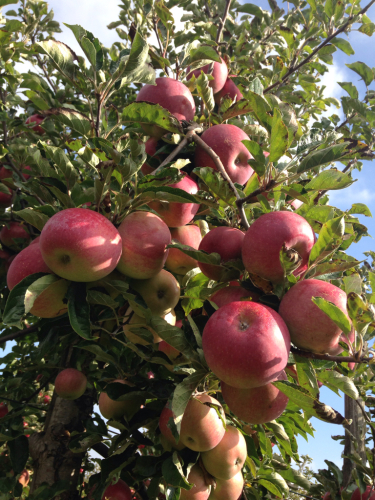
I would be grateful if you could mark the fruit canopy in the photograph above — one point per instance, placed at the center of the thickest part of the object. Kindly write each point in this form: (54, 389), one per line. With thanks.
(113, 178)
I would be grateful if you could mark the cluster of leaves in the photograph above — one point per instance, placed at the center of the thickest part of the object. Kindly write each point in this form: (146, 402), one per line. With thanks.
(92, 151)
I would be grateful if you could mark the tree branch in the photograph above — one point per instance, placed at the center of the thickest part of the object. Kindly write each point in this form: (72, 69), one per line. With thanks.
(41, 65)
(159, 42)
(328, 357)
(323, 44)
(223, 19)
(21, 333)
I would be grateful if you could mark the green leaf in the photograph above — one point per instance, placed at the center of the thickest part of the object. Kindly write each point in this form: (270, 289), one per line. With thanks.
(353, 283)
(166, 193)
(281, 435)
(259, 161)
(60, 159)
(334, 313)
(173, 335)
(151, 114)
(250, 8)
(15, 306)
(363, 71)
(199, 255)
(61, 56)
(306, 375)
(334, 266)
(100, 355)
(330, 238)
(368, 29)
(321, 157)
(336, 380)
(217, 185)
(182, 394)
(37, 100)
(252, 103)
(100, 298)
(270, 487)
(38, 287)
(73, 120)
(205, 91)
(204, 52)
(350, 88)
(329, 7)
(173, 473)
(359, 312)
(7, 2)
(89, 50)
(360, 208)
(18, 453)
(79, 310)
(343, 45)
(33, 217)
(330, 179)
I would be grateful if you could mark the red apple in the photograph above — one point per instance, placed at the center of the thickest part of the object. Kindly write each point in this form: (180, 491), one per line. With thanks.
(232, 293)
(265, 239)
(35, 240)
(226, 141)
(5, 173)
(177, 261)
(200, 490)
(219, 72)
(144, 245)
(246, 344)
(110, 408)
(369, 494)
(319, 334)
(178, 214)
(228, 490)
(3, 410)
(14, 236)
(38, 119)
(6, 199)
(161, 292)
(28, 261)
(70, 383)
(228, 457)
(165, 415)
(117, 491)
(258, 405)
(227, 242)
(230, 89)
(151, 148)
(80, 245)
(46, 399)
(171, 95)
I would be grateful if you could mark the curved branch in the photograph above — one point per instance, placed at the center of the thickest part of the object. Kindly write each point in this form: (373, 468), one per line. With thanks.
(21, 333)
(328, 357)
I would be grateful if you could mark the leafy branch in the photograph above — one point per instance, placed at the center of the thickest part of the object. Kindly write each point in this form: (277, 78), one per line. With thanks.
(358, 358)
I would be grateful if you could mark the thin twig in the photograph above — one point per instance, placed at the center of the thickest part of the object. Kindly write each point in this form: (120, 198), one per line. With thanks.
(328, 357)
(21, 333)
(41, 65)
(20, 403)
(98, 114)
(223, 19)
(345, 121)
(323, 44)
(159, 41)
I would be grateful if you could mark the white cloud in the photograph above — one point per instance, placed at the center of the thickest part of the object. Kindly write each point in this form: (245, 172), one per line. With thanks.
(330, 79)
(351, 195)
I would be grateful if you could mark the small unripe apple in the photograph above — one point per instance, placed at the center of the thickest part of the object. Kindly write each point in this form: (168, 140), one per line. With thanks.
(70, 383)
(200, 490)
(178, 214)
(258, 405)
(112, 409)
(226, 141)
(228, 490)
(227, 242)
(14, 236)
(142, 260)
(177, 261)
(171, 95)
(118, 491)
(37, 119)
(231, 90)
(265, 239)
(246, 344)
(80, 245)
(228, 457)
(219, 73)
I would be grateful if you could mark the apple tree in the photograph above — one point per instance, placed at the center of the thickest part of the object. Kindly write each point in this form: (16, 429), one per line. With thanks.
(174, 281)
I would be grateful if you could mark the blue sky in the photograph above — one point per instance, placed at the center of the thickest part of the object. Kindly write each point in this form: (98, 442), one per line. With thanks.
(91, 15)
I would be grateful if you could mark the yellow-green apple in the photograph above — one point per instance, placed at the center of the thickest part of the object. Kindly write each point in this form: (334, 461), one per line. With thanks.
(178, 214)
(258, 405)
(37, 119)
(227, 242)
(136, 322)
(246, 344)
(200, 490)
(228, 457)
(369, 494)
(118, 491)
(171, 95)
(144, 245)
(166, 431)
(3, 410)
(6, 198)
(310, 328)
(177, 261)
(228, 490)
(219, 73)
(266, 237)
(14, 236)
(80, 245)
(161, 292)
(226, 141)
(232, 293)
(110, 408)
(230, 89)
(70, 383)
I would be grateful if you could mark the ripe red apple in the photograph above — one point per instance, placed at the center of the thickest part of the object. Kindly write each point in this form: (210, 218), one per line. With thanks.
(228, 457)
(80, 245)
(178, 214)
(227, 242)
(265, 239)
(139, 322)
(226, 141)
(3, 410)
(161, 292)
(38, 119)
(318, 334)
(151, 148)
(369, 494)
(144, 245)
(166, 432)
(171, 95)
(5, 173)
(110, 408)
(200, 490)
(230, 89)
(258, 405)
(177, 261)
(232, 293)
(28, 261)
(219, 72)
(14, 236)
(46, 399)
(118, 491)
(246, 344)
(6, 199)
(70, 383)
(35, 240)
(228, 490)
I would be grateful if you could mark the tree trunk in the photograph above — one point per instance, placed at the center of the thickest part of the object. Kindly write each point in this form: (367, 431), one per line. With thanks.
(49, 449)
(355, 443)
